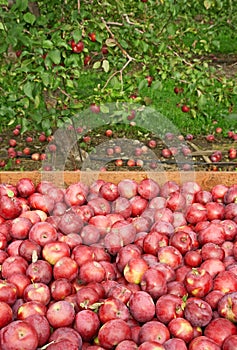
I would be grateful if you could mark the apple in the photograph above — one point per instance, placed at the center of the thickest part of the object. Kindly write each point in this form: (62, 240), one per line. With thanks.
(166, 153)
(77, 47)
(230, 342)
(134, 270)
(66, 333)
(113, 332)
(91, 271)
(109, 132)
(104, 50)
(225, 281)
(42, 233)
(181, 328)
(203, 342)
(40, 271)
(119, 162)
(6, 314)
(142, 306)
(149, 79)
(152, 143)
(154, 331)
(10, 206)
(226, 306)
(117, 149)
(126, 345)
(87, 60)
(92, 36)
(95, 108)
(210, 137)
(29, 250)
(131, 163)
(12, 143)
(65, 267)
(171, 256)
(185, 109)
(219, 329)
(60, 314)
(198, 312)
(37, 292)
(54, 251)
(20, 228)
(19, 335)
(113, 308)
(13, 264)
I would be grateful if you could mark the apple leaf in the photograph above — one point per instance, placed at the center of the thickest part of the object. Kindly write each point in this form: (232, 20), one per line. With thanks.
(104, 109)
(208, 4)
(47, 44)
(28, 89)
(77, 35)
(105, 66)
(111, 42)
(96, 65)
(29, 18)
(55, 56)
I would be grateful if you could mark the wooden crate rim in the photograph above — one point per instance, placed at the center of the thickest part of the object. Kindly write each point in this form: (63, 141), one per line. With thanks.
(64, 178)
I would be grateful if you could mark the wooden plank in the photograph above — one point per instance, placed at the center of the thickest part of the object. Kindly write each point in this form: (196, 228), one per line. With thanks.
(206, 179)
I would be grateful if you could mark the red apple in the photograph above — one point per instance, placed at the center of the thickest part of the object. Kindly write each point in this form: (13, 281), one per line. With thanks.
(113, 332)
(60, 314)
(19, 335)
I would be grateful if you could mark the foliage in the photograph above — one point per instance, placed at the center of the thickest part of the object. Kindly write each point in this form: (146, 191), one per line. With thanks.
(44, 83)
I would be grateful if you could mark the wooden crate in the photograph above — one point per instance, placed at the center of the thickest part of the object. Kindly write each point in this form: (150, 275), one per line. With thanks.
(205, 179)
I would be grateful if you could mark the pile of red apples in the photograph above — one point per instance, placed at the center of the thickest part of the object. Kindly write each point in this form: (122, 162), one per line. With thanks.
(133, 265)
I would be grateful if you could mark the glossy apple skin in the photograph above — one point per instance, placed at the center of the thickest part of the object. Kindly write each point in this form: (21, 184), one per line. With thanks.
(203, 342)
(181, 328)
(60, 314)
(198, 282)
(113, 332)
(142, 306)
(19, 335)
(198, 312)
(169, 306)
(230, 342)
(6, 314)
(87, 324)
(219, 329)
(154, 331)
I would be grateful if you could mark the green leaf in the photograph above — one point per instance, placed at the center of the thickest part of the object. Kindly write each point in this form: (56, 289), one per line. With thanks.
(37, 101)
(21, 5)
(45, 78)
(105, 66)
(77, 105)
(96, 65)
(28, 89)
(69, 83)
(104, 109)
(47, 44)
(77, 35)
(110, 42)
(171, 29)
(46, 124)
(55, 56)
(208, 4)
(29, 18)
(114, 82)
(142, 84)
(124, 44)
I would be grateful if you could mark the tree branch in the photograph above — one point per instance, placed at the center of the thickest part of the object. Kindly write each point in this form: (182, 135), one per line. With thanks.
(124, 52)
